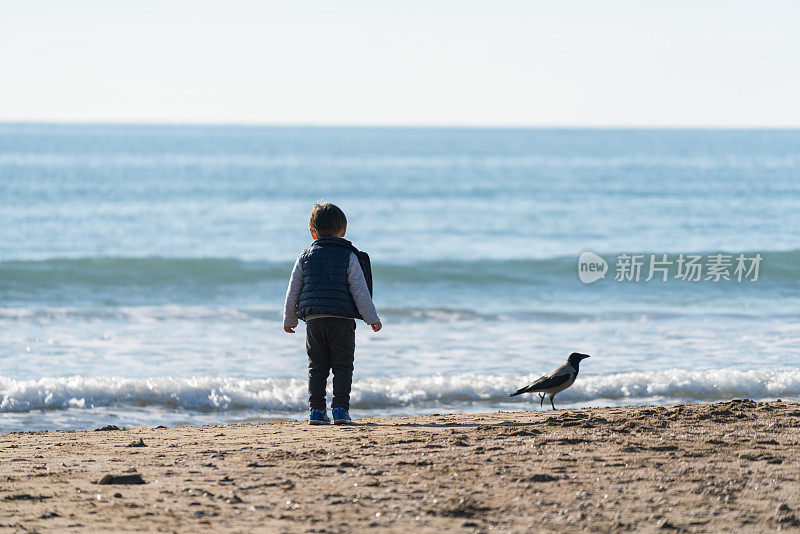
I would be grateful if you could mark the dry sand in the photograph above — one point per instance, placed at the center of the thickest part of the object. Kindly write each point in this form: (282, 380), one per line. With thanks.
(730, 466)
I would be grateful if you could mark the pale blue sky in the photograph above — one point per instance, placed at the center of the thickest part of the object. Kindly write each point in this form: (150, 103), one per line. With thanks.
(570, 63)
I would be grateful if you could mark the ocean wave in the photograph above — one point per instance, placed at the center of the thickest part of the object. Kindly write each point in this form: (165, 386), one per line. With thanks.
(150, 271)
(156, 272)
(211, 394)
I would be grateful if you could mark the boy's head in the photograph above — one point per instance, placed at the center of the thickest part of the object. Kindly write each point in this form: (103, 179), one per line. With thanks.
(327, 220)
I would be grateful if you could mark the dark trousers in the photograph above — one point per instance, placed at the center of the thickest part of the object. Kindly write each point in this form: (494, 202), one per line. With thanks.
(330, 344)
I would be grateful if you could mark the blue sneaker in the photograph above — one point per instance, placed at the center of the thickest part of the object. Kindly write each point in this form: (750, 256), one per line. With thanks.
(341, 417)
(318, 417)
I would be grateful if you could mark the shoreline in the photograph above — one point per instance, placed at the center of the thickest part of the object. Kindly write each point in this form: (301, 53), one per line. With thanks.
(691, 467)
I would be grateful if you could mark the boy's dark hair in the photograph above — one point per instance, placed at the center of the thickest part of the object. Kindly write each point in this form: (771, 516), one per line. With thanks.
(327, 219)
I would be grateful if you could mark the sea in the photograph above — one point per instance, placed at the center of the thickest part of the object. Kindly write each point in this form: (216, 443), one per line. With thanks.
(143, 268)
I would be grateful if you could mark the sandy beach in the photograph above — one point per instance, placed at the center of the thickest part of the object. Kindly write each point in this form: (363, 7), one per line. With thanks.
(730, 466)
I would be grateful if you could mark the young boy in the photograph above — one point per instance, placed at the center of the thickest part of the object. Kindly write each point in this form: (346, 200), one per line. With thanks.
(328, 290)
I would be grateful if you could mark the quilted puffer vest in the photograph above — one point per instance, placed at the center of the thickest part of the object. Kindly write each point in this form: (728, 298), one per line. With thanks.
(325, 289)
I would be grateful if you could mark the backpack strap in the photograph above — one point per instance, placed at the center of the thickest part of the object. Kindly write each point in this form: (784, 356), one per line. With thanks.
(363, 260)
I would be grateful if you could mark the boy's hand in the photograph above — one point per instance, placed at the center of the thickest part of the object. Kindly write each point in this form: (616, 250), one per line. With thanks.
(376, 326)
(289, 329)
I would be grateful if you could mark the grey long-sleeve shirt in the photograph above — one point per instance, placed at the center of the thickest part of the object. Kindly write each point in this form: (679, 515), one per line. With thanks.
(358, 289)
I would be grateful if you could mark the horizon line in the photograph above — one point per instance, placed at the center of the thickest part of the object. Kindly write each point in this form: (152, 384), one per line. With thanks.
(465, 126)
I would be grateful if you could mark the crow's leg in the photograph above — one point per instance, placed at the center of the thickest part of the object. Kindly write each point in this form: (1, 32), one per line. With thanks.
(541, 399)
(551, 401)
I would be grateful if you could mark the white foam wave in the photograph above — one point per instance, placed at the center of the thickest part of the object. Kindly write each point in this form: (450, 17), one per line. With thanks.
(289, 395)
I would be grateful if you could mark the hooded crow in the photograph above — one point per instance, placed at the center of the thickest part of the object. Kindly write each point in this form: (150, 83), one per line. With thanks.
(557, 381)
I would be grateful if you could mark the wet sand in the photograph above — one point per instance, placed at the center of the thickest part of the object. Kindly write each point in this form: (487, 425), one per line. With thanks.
(732, 466)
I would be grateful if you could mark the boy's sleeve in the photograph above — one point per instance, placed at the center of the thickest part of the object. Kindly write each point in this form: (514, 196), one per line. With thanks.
(292, 295)
(360, 291)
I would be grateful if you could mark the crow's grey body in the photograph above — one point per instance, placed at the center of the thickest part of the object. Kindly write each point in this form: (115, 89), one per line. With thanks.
(555, 382)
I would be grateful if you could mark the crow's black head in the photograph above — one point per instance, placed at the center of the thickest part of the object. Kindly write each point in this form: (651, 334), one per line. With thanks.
(576, 357)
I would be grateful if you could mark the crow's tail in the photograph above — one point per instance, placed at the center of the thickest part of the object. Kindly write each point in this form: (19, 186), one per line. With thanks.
(520, 391)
